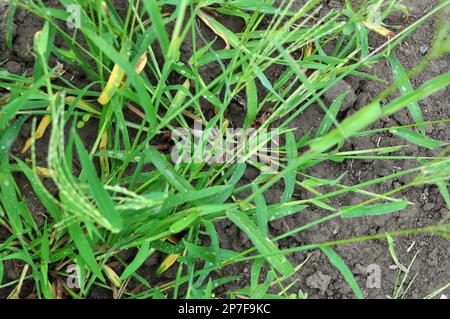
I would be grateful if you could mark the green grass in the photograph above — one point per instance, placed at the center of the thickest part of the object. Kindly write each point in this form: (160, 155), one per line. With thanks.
(136, 197)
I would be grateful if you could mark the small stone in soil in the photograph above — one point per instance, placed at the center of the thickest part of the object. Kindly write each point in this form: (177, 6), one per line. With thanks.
(13, 67)
(152, 260)
(424, 49)
(319, 281)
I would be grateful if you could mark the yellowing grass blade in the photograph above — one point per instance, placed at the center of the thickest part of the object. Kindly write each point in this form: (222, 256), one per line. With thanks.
(379, 29)
(135, 110)
(167, 262)
(44, 172)
(118, 78)
(181, 95)
(112, 276)
(116, 81)
(228, 37)
(309, 49)
(70, 99)
(45, 122)
(16, 291)
(105, 9)
(172, 239)
(140, 64)
(307, 52)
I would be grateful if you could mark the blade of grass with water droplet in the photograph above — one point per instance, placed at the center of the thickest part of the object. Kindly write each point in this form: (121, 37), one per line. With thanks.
(9, 110)
(167, 170)
(436, 84)
(8, 197)
(417, 139)
(10, 135)
(330, 117)
(41, 192)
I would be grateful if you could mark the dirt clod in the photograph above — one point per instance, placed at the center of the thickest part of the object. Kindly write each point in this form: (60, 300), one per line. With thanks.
(319, 281)
(341, 87)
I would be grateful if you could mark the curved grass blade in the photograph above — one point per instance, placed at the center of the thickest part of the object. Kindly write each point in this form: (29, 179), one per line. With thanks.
(394, 254)
(436, 84)
(141, 256)
(345, 271)
(330, 117)
(401, 78)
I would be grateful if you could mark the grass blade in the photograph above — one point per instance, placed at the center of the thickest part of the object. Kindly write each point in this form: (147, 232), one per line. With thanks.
(252, 103)
(151, 6)
(262, 243)
(401, 78)
(102, 198)
(76, 233)
(349, 126)
(417, 139)
(330, 117)
(261, 212)
(10, 135)
(290, 179)
(345, 271)
(375, 210)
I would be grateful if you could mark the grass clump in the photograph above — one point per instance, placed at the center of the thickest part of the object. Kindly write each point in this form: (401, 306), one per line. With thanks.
(123, 191)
